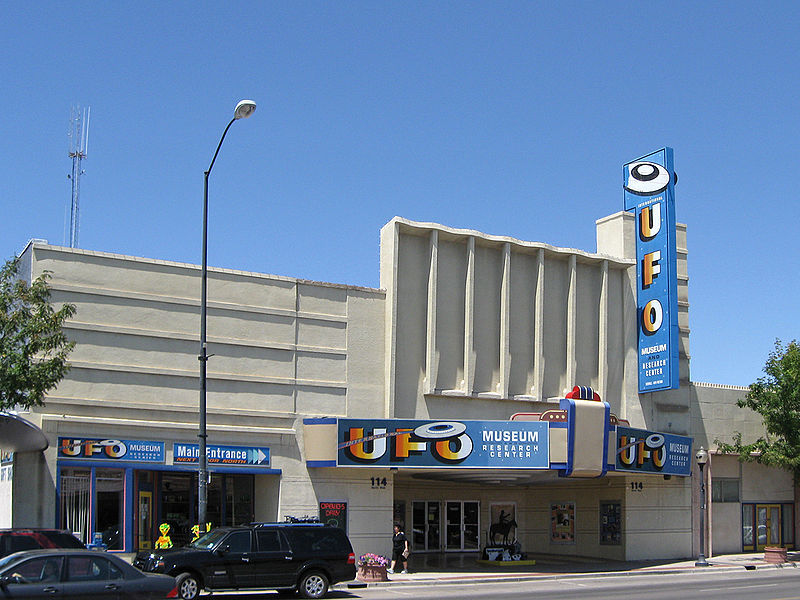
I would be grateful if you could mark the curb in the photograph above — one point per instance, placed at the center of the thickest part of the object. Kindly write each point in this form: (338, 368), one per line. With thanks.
(452, 579)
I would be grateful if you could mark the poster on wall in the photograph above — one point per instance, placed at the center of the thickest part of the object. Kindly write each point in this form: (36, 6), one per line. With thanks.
(503, 523)
(611, 523)
(333, 513)
(649, 191)
(562, 523)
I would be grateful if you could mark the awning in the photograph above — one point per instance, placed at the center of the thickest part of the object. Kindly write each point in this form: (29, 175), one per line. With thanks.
(19, 435)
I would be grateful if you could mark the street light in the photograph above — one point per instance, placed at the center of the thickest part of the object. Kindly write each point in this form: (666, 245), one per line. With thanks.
(244, 109)
(702, 458)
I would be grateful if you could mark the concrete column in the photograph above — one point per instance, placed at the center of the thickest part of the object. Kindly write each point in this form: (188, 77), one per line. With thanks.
(505, 323)
(538, 331)
(468, 385)
(602, 359)
(572, 323)
(430, 338)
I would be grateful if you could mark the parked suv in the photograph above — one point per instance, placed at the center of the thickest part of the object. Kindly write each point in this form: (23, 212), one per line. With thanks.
(303, 556)
(19, 539)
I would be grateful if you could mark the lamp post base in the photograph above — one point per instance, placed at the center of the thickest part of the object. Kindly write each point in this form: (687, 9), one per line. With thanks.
(702, 562)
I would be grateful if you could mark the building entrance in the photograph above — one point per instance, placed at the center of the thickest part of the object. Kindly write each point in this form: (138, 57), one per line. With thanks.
(462, 529)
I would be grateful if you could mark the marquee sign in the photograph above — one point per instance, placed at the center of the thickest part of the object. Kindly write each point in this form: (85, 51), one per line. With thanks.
(111, 450)
(642, 451)
(649, 189)
(437, 444)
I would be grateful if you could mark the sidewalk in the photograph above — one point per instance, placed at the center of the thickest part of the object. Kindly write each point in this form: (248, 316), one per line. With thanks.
(464, 569)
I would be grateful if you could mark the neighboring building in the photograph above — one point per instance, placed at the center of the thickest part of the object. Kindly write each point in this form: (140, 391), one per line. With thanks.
(466, 327)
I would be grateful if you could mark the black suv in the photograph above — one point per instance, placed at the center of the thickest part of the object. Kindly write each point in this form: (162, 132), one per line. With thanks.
(19, 539)
(307, 557)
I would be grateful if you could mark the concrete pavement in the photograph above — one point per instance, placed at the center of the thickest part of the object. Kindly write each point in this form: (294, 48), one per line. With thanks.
(465, 569)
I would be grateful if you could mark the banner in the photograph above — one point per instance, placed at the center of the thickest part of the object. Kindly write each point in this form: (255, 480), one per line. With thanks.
(649, 190)
(437, 444)
(111, 450)
(642, 451)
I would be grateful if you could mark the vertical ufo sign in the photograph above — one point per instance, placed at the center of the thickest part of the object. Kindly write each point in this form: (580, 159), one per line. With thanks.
(649, 189)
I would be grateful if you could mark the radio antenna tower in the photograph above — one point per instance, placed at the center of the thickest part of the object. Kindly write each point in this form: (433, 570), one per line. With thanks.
(78, 150)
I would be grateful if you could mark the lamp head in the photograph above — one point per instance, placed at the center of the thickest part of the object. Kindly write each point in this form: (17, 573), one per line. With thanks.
(701, 456)
(244, 109)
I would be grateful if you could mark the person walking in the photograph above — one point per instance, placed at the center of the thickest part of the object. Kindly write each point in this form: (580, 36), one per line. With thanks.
(400, 551)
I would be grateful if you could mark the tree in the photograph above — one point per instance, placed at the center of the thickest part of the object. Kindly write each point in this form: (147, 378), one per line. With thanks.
(776, 397)
(33, 346)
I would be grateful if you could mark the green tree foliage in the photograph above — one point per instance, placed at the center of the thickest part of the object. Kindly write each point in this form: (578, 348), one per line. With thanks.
(776, 397)
(33, 347)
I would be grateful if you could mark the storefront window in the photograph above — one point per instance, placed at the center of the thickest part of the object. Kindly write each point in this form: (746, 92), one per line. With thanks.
(110, 506)
(238, 499)
(748, 543)
(725, 490)
(74, 514)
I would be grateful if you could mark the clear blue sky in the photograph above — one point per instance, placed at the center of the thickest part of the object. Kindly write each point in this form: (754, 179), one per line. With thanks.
(512, 118)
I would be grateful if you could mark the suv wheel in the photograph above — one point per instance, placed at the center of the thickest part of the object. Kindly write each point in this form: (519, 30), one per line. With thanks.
(188, 586)
(313, 585)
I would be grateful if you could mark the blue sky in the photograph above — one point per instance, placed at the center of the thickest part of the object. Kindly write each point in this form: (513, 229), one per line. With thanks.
(512, 118)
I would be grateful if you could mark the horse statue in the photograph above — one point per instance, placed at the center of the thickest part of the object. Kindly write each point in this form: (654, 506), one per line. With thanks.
(503, 528)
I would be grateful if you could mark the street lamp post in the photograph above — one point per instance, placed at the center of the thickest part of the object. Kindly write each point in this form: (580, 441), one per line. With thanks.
(702, 459)
(244, 109)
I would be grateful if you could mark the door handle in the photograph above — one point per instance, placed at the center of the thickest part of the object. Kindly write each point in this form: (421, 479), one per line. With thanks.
(50, 589)
(112, 586)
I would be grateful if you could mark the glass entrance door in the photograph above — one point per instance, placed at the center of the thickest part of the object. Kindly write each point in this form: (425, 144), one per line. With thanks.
(426, 522)
(462, 525)
(768, 525)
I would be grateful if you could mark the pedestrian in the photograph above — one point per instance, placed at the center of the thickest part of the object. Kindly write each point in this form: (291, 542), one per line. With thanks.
(400, 550)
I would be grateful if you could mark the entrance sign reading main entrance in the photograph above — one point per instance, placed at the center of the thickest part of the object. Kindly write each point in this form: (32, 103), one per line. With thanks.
(649, 188)
(436, 444)
(244, 456)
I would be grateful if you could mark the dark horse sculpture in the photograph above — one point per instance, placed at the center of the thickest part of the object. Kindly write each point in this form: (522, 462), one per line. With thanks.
(502, 528)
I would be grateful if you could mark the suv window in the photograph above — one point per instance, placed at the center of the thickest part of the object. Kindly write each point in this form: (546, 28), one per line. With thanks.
(268, 540)
(315, 540)
(239, 541)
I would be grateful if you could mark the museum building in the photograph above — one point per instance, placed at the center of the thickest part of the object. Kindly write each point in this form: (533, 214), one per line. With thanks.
(488, 392)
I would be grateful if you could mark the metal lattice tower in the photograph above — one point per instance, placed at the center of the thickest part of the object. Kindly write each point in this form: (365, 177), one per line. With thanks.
(78, 150)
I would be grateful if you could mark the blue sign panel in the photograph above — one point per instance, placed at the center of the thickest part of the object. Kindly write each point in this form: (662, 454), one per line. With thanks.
(443, 444)
(642, 451)
(120, 450)
(243, 456)
(649, 188)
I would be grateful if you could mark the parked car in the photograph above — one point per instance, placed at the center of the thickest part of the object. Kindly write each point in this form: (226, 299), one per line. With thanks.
(70, 574)
(307, 557)
(17, 540)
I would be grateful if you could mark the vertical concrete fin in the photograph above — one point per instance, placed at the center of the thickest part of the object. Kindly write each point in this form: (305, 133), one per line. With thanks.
(505, 323)
(430, 334)
(468, 385)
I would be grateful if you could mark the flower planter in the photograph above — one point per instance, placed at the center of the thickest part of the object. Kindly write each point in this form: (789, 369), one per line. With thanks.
(775, 555)
(372, 573)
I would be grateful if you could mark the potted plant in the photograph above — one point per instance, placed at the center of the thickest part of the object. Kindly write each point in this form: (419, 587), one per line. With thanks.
(372, 567)
(775, 554)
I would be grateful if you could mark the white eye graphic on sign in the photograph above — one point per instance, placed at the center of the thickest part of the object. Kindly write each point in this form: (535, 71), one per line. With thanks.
(440, 430)
(646, 178)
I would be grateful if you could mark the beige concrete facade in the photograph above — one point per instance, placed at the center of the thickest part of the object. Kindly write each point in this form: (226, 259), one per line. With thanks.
(466, 325)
